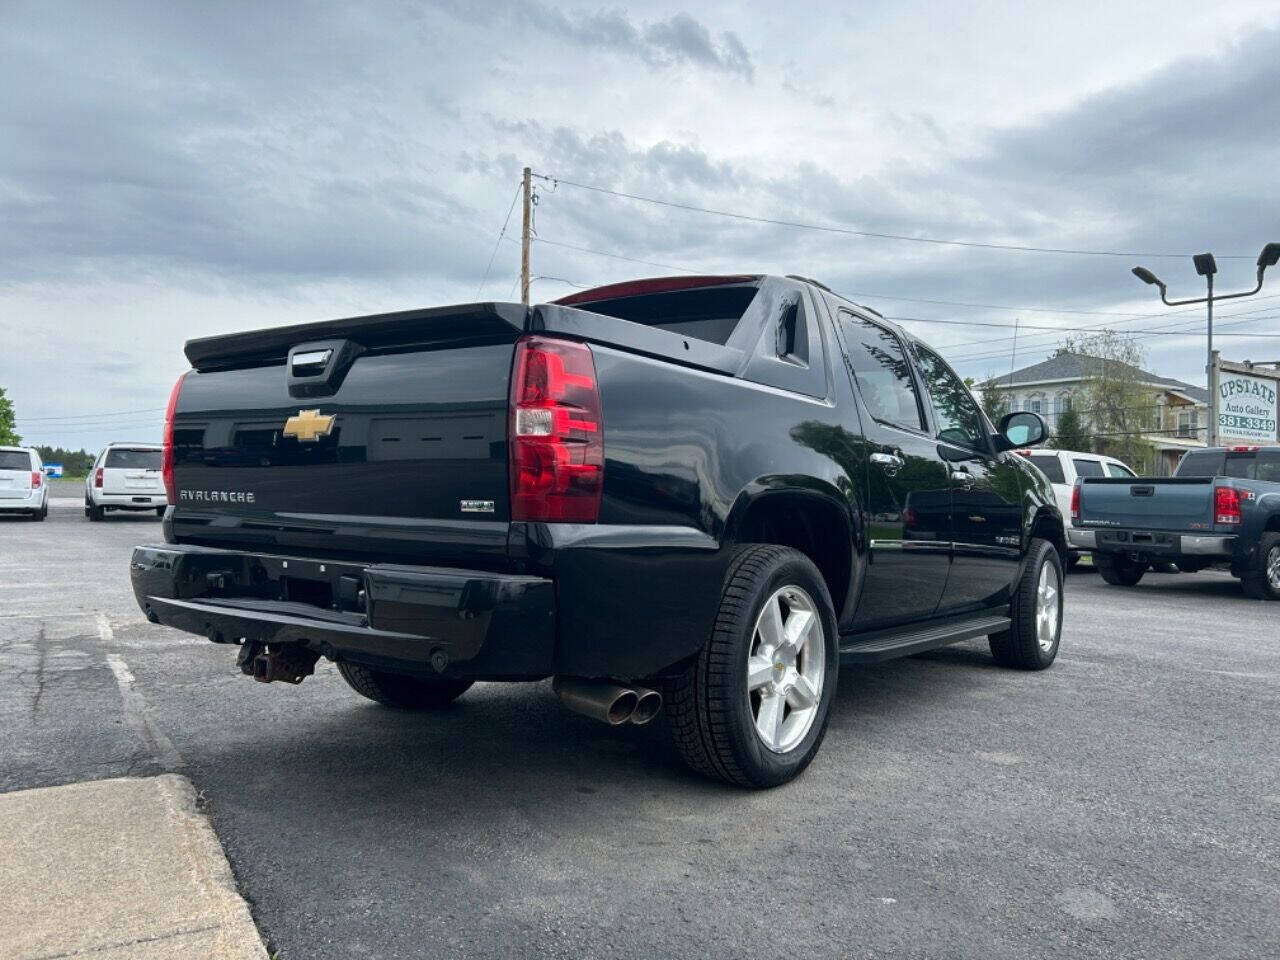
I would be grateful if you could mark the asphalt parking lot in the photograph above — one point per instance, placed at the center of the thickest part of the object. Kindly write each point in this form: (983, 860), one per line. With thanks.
(1124, 804)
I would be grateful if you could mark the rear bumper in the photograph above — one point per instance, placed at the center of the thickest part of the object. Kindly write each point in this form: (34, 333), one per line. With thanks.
(1153, 542)
(129, 501)
(464, 623)
(32, 501)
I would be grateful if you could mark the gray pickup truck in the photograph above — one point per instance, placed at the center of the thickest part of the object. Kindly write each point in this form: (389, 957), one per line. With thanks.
(1221, 507)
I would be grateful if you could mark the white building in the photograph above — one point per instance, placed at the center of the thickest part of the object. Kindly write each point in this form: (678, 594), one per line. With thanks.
(1175, 413)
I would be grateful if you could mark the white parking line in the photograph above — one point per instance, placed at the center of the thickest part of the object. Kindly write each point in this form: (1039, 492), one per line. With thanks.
(136, 713)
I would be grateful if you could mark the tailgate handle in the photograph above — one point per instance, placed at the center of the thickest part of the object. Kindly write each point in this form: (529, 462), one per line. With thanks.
(1143, 490)
(316, 369)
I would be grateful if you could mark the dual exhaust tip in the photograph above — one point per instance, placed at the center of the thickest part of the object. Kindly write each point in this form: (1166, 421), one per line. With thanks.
(613, 703)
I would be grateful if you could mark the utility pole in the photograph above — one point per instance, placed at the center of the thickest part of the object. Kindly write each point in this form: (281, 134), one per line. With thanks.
(525, 230)
(1211, 437)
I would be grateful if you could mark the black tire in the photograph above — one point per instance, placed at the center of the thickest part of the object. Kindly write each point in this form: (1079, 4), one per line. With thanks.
(1019, 646)
(1118, 569)
(709, 709)
(160, 512)
(398, 690)
(95, 514)
(41, 513)
(1257, 582)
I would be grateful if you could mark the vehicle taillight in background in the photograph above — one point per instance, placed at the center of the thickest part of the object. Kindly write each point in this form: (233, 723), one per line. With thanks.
(1245, 449)
(557, 432)
(97, 478)
(35, 479)
(1226, 505)
(1075, 501)
(166, 458)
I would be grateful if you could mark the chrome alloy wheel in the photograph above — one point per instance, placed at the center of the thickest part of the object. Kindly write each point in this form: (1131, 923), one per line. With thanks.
(785, 668)
(1047, 607)
(1273, 567)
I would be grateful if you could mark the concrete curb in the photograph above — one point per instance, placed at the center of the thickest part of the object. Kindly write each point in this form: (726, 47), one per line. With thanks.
(115, 869)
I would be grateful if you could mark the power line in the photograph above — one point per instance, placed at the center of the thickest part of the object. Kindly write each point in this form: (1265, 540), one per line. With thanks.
(497, 243)
(1030, 326)
(89, 416)
(867, 234)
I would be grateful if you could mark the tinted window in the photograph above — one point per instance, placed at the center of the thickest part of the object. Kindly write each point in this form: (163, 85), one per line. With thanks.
(884, 376)
(1118, 470)
(1087, 468)
(1202, 463)
(15, 460)
(1262, 465)
(133, 459)
(1050, 465)
(958, 418)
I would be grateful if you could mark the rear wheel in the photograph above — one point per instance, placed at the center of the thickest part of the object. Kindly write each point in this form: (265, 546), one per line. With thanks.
(1118, 569)
(753, 706)
(1031, 642)
(41, 513)
(1261, 580)
(92, 512)
(398, 690)
(160, 512)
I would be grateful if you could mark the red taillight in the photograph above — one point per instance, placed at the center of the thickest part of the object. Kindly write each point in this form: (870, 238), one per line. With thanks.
(1226, 505)
(166, 458)
(97, 478)
(557, 433)
(35, 479)
(1075, 502)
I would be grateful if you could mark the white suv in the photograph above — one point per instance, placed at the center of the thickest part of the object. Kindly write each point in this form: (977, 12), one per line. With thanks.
(1063, 468)
(23, 488)
(126, 476)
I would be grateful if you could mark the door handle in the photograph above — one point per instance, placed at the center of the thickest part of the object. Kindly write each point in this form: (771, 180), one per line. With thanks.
(962, 477)
(890, 463)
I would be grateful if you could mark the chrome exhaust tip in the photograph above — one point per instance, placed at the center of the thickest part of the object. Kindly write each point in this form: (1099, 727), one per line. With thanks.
(598, 699)
(648, 703)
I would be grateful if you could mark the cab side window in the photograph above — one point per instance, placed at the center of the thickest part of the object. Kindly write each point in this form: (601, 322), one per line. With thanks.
(959, 420)
(883, 373)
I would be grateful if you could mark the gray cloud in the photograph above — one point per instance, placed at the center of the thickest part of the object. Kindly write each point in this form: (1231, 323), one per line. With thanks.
(679, 39)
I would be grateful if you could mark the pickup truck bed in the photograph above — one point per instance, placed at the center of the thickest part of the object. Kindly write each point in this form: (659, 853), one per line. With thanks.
(1213, 511)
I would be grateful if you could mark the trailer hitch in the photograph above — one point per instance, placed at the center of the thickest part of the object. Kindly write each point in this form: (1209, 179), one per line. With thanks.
(287, 662)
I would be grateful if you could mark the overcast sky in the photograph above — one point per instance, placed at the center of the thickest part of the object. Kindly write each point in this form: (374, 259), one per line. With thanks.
(176, 170)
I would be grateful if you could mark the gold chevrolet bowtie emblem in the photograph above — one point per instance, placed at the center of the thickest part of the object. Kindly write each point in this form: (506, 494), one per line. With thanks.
(309, 426)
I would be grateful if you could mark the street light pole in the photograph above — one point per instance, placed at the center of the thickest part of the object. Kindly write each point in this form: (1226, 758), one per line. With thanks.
(1206, 267)
(1211, 439)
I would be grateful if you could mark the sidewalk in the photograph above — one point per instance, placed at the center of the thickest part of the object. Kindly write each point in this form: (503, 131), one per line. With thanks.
(117, 870)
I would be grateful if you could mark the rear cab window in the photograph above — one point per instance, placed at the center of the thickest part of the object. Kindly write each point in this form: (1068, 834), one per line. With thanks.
(16, 460)
(1201, 463)
(125, 459)
(1050, 465)
(1087, 468)
(1119, 470)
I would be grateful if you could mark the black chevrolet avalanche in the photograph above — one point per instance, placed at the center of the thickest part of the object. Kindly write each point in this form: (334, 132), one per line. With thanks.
(703, 494)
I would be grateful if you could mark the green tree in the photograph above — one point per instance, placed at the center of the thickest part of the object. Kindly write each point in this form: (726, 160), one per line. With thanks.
(1113, 397)
(1071, 433)
(994, 402)
(8, 427)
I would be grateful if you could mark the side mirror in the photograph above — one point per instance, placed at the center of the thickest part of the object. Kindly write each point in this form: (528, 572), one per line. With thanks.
(1021, 429)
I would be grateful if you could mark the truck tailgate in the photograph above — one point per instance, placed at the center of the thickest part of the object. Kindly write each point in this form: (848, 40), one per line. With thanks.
(402, 452)
(1148, 503)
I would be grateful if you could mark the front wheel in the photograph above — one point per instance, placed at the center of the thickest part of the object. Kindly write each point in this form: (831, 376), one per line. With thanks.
(1261, 580)
(752, 708)
(1031, 642)
(399, 690)
(1119, 570)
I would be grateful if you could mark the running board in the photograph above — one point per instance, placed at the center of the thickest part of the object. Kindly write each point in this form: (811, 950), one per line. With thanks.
(903, 642)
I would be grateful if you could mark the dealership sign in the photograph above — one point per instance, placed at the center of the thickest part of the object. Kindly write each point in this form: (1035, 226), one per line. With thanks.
(1246, 407)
